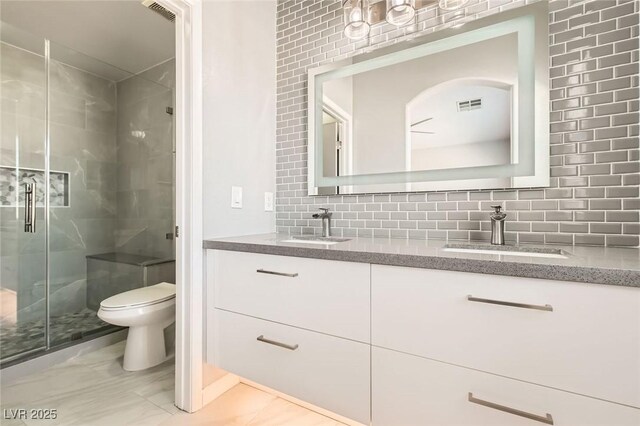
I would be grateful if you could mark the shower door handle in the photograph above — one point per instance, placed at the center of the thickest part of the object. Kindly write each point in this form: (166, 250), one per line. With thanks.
(30, 207)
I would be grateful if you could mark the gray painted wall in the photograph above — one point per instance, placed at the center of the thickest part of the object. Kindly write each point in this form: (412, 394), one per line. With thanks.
(239, 92)
(593, 198)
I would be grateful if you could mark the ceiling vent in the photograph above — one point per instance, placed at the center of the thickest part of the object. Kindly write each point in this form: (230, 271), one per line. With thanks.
(160, 10)
(469, 105)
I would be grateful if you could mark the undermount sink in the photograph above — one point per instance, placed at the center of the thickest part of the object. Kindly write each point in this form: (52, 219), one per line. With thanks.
(553, 253)
(313, 239)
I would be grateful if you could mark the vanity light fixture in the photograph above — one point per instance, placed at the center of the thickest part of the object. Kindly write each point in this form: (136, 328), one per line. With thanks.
(356, 19)
(360, 15)
(455, 14)
(400, 12)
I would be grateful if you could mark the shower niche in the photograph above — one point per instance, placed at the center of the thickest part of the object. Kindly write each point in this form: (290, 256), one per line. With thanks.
(11, 196)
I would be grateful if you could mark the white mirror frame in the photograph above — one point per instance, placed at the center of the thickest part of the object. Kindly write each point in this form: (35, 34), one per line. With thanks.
(531, 25)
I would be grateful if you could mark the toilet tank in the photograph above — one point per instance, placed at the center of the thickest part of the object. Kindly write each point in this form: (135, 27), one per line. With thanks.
(112, 273)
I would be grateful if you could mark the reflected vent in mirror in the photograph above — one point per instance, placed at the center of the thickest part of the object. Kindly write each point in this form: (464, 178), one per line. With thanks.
(165, 13)
(469, 105)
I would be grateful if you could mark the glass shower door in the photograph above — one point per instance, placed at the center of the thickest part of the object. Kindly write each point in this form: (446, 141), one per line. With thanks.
(82, 215)
(86, 190)
(23, 237)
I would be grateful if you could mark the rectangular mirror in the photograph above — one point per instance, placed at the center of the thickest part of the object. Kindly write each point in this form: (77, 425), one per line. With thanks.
(461, 108)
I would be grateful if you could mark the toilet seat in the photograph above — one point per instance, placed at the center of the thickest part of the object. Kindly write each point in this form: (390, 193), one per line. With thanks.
(140, 297)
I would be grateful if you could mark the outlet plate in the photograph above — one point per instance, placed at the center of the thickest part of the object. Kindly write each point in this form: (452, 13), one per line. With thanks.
(268, 201)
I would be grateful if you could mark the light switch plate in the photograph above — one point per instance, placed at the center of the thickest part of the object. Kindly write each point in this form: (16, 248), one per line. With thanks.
(268, 201)
(236, 197)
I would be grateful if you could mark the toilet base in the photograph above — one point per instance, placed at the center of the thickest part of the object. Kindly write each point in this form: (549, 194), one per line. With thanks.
(147, 320)
(145, 347)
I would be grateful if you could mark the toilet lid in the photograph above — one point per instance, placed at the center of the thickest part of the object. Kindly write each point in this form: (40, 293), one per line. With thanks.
(141, 296)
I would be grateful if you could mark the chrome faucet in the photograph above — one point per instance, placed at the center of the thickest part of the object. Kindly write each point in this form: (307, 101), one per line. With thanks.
(326, 221)
(497, 226)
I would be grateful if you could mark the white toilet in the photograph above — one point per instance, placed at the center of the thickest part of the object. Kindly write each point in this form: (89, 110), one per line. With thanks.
(147, 311)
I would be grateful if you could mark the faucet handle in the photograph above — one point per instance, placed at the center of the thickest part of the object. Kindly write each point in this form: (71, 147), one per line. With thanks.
(497, 215)
(325, 211)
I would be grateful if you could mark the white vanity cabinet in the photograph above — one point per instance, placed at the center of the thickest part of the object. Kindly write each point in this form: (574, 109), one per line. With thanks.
(326, 371)
(577, 337)
(534, 346)
(299, 326)
(414, 391)
(320, 295)
(401, 346)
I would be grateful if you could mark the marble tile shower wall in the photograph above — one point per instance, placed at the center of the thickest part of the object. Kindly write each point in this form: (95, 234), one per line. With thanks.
(82, 117)
(145, 178)
(593, 197)
(82, 124)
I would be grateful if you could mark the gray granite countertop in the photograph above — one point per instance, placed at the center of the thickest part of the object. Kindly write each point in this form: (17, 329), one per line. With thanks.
(597, 265)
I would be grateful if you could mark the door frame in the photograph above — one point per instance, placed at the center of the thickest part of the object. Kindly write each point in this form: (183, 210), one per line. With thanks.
(189, 219)
(346, 152)
(346, 156)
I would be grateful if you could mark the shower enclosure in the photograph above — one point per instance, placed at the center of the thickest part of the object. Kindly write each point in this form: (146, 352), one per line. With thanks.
(86, 190)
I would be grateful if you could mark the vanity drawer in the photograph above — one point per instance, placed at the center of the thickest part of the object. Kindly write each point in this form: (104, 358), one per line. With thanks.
(413, 391)
(321, 295)
(326, 371)
(589, 343)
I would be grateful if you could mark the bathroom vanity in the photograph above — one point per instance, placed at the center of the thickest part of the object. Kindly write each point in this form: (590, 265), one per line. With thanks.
(401, 332)
(407, 332)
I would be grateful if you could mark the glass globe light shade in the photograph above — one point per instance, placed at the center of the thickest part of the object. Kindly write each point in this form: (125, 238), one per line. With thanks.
(356, 25)
(452, 4)
(400, 12)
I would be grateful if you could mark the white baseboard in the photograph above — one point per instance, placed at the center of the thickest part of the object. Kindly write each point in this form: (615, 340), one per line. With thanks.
(34, 365)
(301, 403)
(217, 388)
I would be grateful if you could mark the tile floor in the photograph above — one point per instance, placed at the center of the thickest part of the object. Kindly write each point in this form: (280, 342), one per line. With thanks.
(93, 390)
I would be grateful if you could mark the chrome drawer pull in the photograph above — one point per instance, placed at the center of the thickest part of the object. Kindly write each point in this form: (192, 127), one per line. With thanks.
(273, 342)
(549, 308)
(284, 274)
(547, 419)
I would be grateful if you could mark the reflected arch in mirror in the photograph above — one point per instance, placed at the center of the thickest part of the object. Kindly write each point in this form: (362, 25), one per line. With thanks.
(466, 122)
